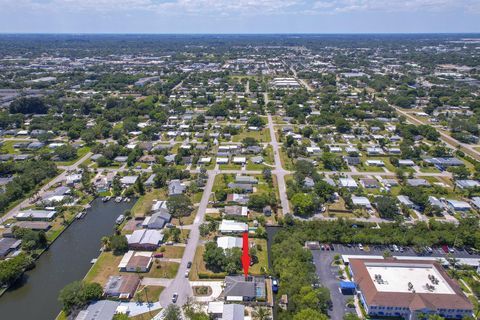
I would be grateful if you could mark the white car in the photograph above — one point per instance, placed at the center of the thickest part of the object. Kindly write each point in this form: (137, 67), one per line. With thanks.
(360, 246)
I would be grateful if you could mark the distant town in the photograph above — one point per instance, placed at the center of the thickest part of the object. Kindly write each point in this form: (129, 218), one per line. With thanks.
(132, 166)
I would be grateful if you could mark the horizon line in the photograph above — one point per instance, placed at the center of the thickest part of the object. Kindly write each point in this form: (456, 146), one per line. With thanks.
(243, 33)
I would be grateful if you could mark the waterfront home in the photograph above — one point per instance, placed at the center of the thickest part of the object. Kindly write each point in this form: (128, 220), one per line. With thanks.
(99, 310)
(8, 245)
(136, 261)
(144, 239)
(42, 215)
(121, 287)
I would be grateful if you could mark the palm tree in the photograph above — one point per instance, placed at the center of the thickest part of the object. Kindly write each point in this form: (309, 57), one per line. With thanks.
(105, 242)
(261, 313)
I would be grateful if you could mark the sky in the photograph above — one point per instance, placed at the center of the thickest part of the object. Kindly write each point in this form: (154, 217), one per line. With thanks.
(239, 16)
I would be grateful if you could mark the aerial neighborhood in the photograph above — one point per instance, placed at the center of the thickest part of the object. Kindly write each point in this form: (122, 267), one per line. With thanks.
(142, 171)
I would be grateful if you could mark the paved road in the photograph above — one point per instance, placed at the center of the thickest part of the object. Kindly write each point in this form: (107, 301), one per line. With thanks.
(279, 171)
(25, 203)
(451, 142)
(180, 284)
(303, 82)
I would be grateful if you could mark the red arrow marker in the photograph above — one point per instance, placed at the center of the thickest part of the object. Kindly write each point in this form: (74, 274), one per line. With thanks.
(245, 255)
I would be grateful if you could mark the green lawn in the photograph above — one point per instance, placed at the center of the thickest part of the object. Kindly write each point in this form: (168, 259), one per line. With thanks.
(80, 153)
(261, 136)
(262, 255)
(148, 293)
(144, 203)
(107, 265)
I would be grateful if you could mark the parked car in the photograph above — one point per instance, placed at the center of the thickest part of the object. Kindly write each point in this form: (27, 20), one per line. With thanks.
(445, 249)
(395, 248)
(158, 255)
(189, 264)
(187, 273)
(275, 285)
(429, 250)
(175, 297)
(360, 246)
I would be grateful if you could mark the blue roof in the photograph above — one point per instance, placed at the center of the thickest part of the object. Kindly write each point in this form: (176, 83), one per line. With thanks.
(347, 285)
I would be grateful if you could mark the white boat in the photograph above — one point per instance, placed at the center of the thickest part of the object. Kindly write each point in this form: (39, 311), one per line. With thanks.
(81, 214)
(120, 219)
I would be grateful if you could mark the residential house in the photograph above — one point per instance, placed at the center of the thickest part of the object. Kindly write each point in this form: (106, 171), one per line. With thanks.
(176, 187)
(99, 310)
(241, 211)
(144, 239)
(229, 242)
(232, 226)
(8, 245)
(237, 288)
(42, 215)
(136, 261)
(122, 287)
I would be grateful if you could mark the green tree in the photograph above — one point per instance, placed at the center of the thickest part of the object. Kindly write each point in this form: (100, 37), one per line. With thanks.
(309, 314)
(179, 205)
(172, 312)
(304, 204)
(387, 207)
(77, 294)
(119, 244)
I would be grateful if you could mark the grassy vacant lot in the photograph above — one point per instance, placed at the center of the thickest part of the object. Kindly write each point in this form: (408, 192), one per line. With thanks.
(107, 265)
(230, 166)
(172, 252)
(262, 255)
(144, 203)
(261, 136)
(8, 148)
(150, 292)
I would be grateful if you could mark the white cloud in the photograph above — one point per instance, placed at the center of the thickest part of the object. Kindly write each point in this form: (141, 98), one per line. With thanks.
(338, 6)
(238, 7)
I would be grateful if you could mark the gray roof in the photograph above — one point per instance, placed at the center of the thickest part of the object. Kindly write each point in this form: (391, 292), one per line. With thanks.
(175, 187)
(417, 182)
(233, 312)
(158, 220)
(238, 287)
(8, 244)
(99, 310)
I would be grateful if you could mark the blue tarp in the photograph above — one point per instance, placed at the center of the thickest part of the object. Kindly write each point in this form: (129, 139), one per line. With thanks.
(345, 285)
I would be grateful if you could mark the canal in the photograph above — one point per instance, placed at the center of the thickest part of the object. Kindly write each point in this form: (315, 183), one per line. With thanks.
(67, 260)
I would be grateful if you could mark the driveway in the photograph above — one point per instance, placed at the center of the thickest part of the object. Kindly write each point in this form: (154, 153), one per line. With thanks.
(217, 289)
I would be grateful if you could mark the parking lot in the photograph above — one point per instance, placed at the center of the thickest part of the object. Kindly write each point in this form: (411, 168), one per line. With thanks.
(378, 250)
(328, 273)
(328, 276)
